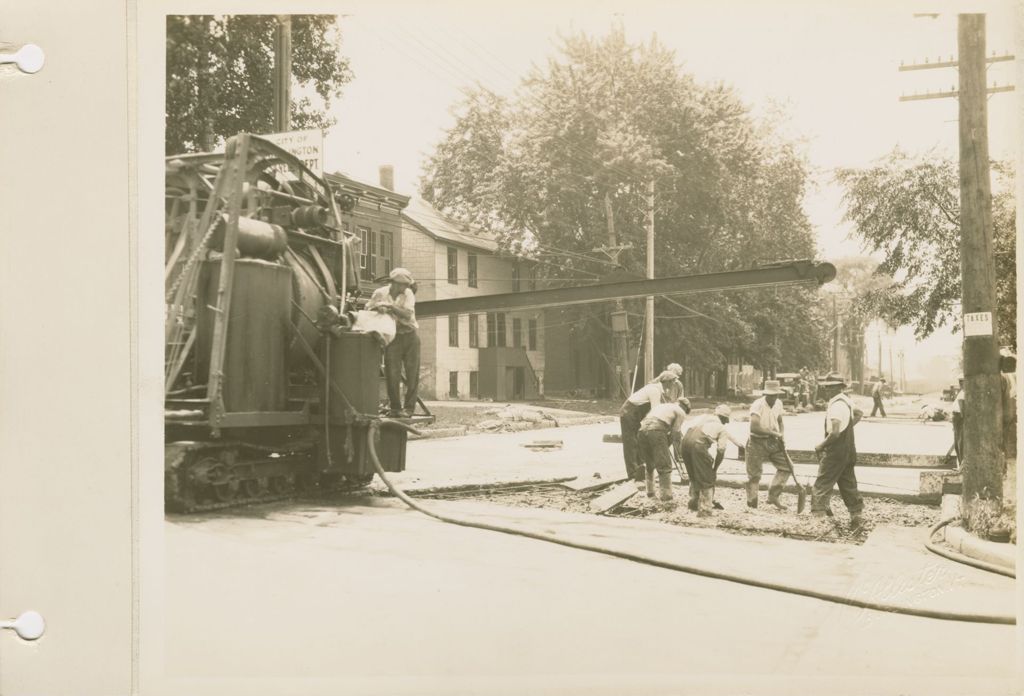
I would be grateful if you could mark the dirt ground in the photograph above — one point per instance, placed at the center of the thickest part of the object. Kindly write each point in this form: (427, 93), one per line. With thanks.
(736, 517)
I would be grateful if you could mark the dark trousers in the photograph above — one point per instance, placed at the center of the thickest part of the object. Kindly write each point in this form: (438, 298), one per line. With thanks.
(958, 437)
(700, 466)
(654, 451)
(878, 406)
(403, 352)
(630, 416)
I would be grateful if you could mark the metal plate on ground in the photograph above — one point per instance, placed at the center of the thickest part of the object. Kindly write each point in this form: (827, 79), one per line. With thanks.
(589, 483)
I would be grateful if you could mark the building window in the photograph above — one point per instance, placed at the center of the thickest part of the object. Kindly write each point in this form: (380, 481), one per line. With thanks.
(453, 384)
(496, 329)
(453, 265)
(532, 334)
(474, 384)
(532, 275)
(453, 330)
(471, 258)
(515, 278)
(474, 331)
(517, 332)
(385, 250)
(370, 248)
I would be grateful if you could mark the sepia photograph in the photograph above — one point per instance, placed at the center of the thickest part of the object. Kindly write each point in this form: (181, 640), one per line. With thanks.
(582, 348)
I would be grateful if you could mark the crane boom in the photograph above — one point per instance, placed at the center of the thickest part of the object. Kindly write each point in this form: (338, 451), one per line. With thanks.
(789, 273)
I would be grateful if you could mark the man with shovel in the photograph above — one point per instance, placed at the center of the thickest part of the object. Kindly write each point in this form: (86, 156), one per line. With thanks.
(661, 427)
(766, 444)
(837, 454)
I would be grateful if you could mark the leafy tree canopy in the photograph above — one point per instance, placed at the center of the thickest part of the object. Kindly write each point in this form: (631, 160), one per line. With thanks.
(598, 121)
(220, 76)
(908, 209)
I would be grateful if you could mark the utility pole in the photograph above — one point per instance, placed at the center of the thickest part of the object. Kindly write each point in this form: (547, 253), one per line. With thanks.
(983, 468)
(649, 314)
(835, 336)
(283, 74)
(620, 324)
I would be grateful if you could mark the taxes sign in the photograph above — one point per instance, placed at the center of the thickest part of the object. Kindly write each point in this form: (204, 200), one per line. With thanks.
(977, 323)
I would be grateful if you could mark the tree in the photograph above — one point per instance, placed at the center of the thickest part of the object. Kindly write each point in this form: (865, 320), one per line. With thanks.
(601, 119)
(220, 69)
(908, 209)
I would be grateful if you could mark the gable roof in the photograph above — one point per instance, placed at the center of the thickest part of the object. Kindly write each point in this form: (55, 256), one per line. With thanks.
(431, 222)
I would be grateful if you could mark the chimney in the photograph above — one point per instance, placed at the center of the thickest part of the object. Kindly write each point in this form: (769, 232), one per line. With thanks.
(387, 177)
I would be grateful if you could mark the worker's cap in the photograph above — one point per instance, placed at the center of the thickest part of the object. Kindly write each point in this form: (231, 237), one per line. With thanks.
(1007, 353)
(723, 410)
(401, 275)
(676, 368)
(772, 386)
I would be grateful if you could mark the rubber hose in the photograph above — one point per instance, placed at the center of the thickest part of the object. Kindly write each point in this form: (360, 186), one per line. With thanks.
(693, 570)
(961, 558)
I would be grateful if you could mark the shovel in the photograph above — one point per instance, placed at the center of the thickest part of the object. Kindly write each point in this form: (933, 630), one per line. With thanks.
(802, 490)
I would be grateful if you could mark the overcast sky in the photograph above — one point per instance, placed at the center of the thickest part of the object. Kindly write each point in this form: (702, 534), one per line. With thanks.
(832, 66)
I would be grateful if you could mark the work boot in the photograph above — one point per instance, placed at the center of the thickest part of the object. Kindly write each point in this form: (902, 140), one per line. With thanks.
(773, 499)
(856, 522)
(752, 494)
(705, 505)
(694, 498)
(650, 484)
(665, 486)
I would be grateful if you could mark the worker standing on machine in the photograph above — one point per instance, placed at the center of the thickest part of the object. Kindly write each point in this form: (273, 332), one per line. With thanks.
(666, 387)
(838, 456)
(398, 300)
(700, 468)
(661, 426)
(766, 444)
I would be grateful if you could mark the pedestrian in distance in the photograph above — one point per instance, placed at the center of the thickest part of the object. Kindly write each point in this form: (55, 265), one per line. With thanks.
(1008, 394)
(837, 455)
(958, 424)
(665, 388)
(660, 428)
(876, 395)
(709, 431)
(403, 353)
(766, 444)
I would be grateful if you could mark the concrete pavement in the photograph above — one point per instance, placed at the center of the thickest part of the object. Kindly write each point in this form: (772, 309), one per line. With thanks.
(367, 596)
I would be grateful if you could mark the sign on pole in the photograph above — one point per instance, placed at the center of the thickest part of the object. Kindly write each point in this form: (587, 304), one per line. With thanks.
(307, 145)
(977, 323)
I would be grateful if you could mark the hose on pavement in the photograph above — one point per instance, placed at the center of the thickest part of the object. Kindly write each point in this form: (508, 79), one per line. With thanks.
(961, 558)
(374, 428)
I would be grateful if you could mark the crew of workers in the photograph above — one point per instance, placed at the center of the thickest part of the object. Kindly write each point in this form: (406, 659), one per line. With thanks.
(652, 418)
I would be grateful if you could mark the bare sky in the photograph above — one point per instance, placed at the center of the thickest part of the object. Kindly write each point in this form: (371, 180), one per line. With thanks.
(832, 67)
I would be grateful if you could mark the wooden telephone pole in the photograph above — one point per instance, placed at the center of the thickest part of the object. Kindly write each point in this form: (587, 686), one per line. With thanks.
(649, 313)
(983, 456)
(620, 323)
(983, 468)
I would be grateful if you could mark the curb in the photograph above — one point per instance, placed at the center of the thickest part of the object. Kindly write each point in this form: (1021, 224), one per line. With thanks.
(962, 541)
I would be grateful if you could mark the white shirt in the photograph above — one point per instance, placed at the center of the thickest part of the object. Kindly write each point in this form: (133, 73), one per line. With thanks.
(714, 428)
(767, 415)
(840, 408)
(671, 414)
(649, 393)
(382, 297)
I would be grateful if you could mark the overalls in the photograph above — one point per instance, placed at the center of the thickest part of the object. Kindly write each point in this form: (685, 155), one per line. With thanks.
(630, 416)
(700, 468)
(836, 467)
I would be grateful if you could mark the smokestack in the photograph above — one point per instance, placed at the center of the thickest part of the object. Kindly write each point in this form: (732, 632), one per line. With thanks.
(387, 177)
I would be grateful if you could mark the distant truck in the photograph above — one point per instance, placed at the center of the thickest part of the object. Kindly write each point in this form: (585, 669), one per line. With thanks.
(950, 392)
